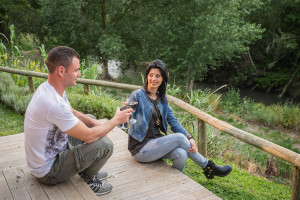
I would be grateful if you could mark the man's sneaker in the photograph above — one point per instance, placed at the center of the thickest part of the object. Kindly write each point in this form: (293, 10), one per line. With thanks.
(100, 187)
(101, 175)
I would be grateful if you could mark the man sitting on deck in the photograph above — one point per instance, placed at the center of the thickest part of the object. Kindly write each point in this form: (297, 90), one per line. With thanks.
(61, 141)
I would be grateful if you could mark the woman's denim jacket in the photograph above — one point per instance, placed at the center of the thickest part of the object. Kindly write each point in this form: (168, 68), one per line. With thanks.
(143, 112)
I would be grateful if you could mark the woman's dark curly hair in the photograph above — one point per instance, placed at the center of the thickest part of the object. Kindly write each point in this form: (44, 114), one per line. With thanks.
(158, 64)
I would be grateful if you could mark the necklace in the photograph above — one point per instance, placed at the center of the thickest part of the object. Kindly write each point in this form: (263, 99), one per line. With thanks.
(157, 122)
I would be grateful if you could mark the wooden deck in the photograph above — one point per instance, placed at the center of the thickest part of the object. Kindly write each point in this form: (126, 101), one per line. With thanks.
(130, 179)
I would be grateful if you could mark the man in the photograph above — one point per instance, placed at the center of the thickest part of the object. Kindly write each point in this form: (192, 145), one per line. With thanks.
(59, 140)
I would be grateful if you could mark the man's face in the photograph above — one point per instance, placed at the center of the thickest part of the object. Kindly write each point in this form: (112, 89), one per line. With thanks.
(72, 73)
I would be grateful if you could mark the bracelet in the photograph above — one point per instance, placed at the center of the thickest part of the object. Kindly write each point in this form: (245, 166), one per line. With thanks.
(189, 136)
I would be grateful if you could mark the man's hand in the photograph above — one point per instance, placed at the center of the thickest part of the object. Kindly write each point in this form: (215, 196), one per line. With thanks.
(123, 116)
(193, 148)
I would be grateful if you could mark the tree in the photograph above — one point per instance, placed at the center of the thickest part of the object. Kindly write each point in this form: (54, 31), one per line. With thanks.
(192, 36)
(89, 26)
(277, 53)
(20, 13)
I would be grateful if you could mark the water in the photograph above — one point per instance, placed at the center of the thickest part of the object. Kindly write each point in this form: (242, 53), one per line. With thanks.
(258, 96)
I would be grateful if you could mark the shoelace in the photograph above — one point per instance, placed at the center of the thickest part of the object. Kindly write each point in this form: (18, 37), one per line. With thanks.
(96, 182)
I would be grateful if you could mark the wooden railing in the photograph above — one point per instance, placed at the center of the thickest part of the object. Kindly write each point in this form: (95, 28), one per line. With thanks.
(274, 149)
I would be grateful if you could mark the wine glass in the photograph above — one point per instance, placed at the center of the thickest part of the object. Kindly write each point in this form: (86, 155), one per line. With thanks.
(123, 125)
(132, 104)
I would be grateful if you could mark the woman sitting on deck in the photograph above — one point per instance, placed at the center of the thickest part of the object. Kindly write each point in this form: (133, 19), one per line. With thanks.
(152, 113)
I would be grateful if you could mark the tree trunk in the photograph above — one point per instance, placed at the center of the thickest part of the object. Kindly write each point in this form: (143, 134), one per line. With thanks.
(105, 74)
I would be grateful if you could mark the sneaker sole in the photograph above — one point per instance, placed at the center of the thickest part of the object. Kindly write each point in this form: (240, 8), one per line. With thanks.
(99, 194)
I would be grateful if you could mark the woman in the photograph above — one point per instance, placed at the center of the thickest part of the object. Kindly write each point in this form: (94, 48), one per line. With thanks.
(146, 142)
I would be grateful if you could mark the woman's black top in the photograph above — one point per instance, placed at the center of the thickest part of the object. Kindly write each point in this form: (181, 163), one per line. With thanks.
(153, 132)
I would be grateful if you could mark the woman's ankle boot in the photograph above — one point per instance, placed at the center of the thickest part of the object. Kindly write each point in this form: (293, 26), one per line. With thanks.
(213, 169)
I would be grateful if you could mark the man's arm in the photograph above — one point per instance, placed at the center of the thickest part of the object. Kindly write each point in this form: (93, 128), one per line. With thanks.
(88, 121)
(88, 135)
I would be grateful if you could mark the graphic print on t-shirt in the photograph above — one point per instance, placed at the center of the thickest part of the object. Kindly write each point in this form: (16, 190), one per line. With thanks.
(56, 141)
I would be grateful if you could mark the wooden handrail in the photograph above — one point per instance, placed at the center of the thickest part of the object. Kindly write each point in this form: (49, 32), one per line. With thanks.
(274, 149)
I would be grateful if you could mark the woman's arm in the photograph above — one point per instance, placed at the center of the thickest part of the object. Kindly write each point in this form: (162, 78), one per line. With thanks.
(176, 127)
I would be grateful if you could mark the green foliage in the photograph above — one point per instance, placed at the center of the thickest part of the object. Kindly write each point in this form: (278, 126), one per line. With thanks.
(231, 101)
(100, 104)
(12, 95)
(22, 13)
(89, 71)
(238, 185)
(10, 121)
(274, 116)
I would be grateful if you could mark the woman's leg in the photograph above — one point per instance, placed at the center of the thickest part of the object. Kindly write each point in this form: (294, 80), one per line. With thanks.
(179, 157)
(158, 148)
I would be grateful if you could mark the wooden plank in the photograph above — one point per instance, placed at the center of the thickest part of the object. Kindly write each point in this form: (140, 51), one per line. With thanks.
(130, 178)
(34, 188)
(12, 164)
(135, 174)
(53, 192)
(69, 191)
(199, 194)
(10, 138)
(4, 190)
(15, 183)
(12, 145)
(145, 184)
(168, 191)
(83, 188)
(211, 197)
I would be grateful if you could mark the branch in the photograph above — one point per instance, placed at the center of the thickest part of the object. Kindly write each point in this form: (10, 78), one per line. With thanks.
(270, 65)
(252, 61)
(286, 86)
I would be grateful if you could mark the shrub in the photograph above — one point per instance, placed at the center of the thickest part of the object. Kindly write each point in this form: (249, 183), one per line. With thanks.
(103, 106)
(12, 95)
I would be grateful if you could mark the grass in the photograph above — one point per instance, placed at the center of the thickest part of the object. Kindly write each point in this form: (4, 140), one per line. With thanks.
(238, 185)
(10, 122)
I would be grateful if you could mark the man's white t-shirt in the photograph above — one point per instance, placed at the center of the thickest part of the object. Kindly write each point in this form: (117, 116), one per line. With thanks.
(47, 117)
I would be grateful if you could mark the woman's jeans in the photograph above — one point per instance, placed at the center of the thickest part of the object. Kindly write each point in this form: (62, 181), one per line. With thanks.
(174, 146)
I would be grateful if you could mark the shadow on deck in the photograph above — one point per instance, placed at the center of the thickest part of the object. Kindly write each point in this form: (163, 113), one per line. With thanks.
(130, 179)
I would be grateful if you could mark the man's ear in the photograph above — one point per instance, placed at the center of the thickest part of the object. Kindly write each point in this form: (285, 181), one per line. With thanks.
(60, 70)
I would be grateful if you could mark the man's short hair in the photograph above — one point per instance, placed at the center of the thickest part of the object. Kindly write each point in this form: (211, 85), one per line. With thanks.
(60, 56)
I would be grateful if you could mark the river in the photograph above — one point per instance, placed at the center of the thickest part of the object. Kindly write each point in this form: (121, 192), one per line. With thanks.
(255, 95)
(258, 96)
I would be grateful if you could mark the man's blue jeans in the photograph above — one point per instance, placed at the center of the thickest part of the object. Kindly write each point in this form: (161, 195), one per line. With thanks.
(174, 146)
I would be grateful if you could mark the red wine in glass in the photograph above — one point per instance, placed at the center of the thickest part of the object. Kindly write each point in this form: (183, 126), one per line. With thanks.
(132, 104)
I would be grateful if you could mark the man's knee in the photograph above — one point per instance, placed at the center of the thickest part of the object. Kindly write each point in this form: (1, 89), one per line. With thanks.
(105, 143)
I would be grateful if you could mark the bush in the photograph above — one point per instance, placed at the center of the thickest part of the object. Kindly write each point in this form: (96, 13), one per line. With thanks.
(101, 106)
(13, 96)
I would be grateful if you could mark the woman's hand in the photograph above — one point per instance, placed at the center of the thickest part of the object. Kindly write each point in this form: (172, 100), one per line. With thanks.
(193, 148)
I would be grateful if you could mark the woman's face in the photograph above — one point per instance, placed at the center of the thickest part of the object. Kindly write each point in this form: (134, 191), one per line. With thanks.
(154, 79)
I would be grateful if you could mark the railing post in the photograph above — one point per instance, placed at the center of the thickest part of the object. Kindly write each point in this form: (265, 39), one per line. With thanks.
(86, 88)
(202, 138)
(296, 184)
(30, 84)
